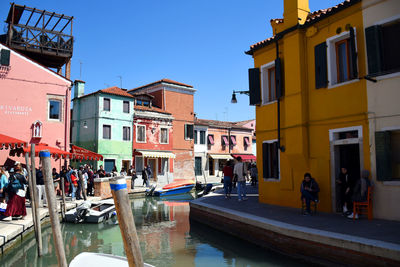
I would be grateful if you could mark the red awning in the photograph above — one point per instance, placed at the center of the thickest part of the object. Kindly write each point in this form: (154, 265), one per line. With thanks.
(7, 142)
(245, 157)
(233, 140)
(225, 140)
(210, 139)
(55, 152)
(84, 154)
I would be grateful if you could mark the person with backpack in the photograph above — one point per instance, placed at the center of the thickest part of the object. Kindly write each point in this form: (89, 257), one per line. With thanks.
(16, 195)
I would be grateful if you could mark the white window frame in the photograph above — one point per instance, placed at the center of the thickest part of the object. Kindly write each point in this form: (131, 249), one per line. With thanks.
(59, 110)
(331, 58)
(279, 162)
(137, 135)
(167, 128)
(130, 133)
(264, 71)
(102, 134)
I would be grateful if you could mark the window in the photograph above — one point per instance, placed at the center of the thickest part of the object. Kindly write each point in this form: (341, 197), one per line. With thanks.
(195, 137)
(106, 104)
(246, 142)
(202, 137)
(139, 165)
(126, 133)
(54, 110)
(210, 140)
(106, 131)
(383, 44)
(268, 83)
(387, 146)
(233, 140)
(141, 133)
(164, 135)
(197, 166)
(341, 59)
(140, 102)
(188, 131)
(270, 160)
(126, 107)
(224, 140)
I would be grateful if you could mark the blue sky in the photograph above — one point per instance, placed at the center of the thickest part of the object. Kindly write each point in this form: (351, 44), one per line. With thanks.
(200, 43)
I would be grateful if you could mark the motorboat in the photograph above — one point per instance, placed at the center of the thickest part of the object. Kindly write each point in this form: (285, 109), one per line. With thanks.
(88, 212)
(179, 186)
(99, 259)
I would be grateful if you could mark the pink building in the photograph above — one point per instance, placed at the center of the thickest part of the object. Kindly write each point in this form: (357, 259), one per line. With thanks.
(34, 103)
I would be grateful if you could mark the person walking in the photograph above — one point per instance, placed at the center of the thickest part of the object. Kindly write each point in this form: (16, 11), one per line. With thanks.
(133, 178)
(16, 195)
(228, 175)
(254, 174)
(240, 172)
(345, 185)
(145, 177)
(41, 192)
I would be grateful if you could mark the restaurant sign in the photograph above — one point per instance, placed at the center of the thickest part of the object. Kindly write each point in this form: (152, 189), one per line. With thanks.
(15, 110)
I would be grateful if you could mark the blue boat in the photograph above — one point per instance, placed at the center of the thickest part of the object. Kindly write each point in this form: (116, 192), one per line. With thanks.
(173, 191)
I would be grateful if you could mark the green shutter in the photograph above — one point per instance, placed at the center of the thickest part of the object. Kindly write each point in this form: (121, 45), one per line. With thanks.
(186, 135)
(321, 71)
(354, 71)
(383, 156)
(5, 57)
(255, 86)
(279, 78)
(265, 160)
(373, 37)
(190, 131)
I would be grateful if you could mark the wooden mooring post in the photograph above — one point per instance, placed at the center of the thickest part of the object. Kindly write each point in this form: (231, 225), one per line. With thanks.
(52, 205)
(32, 198)
(126, 222)
(36, 202)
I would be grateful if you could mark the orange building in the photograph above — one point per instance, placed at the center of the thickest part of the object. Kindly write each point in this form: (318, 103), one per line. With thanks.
(177, 99)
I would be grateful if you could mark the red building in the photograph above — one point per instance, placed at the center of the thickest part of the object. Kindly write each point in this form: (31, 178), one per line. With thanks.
(152, 139)
(176, 99)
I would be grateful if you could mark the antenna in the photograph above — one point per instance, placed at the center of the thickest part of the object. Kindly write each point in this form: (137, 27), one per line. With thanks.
(120, 81)
(80, 70)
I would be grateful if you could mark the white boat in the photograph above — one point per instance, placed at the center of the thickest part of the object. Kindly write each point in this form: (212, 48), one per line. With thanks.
(100, 260)
(88, 212)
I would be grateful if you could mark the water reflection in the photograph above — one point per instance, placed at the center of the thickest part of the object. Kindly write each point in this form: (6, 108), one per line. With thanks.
(166, 239)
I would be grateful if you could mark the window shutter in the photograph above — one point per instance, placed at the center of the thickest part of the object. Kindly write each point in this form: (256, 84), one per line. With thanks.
(353, 54)
(255, 86)
(186, 131)
(321, 71)
(279, 78)
(265, 155)
(383, 156)
(373, 37)
(5, 57)
(190, 129)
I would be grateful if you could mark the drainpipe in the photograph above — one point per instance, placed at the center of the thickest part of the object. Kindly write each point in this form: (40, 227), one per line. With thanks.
(282, 148)
(66, 123)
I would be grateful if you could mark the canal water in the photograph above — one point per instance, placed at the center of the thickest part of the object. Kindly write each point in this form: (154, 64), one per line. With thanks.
(166, 238)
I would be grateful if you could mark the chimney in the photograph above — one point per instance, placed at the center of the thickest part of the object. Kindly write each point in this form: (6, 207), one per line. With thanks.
(79, 89)
(294, 12)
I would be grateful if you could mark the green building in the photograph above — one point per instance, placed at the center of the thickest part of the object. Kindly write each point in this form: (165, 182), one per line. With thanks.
(102, 122)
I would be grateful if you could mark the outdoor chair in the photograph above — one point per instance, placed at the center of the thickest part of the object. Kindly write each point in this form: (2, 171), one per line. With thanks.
(364, 207)
(313, 206)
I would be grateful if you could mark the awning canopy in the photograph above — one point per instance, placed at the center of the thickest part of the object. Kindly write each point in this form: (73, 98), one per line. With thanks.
(245, 157)
(7, 142)
(220, 156)
(156, 154)
(84, 154)
(55, 152)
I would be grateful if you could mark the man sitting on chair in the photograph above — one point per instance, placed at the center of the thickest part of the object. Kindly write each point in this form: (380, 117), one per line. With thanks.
(309, 191)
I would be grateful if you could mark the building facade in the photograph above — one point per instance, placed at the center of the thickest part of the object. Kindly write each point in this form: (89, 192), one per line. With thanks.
(102, 122)
(381, 21)
(311, 101)
(35, 103)
(177, 99)
(152, 139)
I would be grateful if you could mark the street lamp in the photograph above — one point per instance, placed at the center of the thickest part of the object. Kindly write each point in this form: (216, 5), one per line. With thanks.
(234, 100)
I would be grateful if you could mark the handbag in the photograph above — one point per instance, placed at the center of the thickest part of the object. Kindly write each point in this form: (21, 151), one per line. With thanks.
(21, 193)
(3, 207)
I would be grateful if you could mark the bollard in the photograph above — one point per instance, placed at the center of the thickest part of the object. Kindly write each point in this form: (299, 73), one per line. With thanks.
(126, 222)
(36, 202)
(52, 205)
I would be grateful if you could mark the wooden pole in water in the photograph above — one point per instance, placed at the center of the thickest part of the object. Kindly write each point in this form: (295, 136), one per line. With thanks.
(52, 205)
(64, 209)
(32, 194)
(126, 222)
(36, 203)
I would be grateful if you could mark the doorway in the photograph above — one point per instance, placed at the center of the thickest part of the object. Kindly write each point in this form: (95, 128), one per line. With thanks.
(126, 165)
(210, 167)
(153, 165)
(346, 151)
(109, 165)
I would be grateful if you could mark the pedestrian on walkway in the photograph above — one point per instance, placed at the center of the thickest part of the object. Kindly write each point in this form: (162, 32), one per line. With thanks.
(240, 172)
(3, 185)
(309, 191)
(345, 186)
(360, 191)
(145, 177)
(133, 178)
(41, 192)
(228, 175)
(16, 195)
(254, 174)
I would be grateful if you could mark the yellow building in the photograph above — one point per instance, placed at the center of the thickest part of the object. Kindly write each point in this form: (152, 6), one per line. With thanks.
(311, 101)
